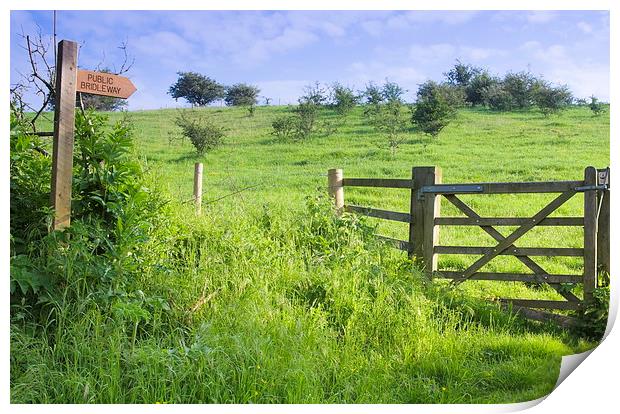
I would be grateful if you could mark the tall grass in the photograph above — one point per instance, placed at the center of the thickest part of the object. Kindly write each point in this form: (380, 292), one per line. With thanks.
(268, 297)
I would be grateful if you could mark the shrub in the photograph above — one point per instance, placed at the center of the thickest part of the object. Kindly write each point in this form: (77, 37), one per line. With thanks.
(389, 120)
(475, 90)
(197, 89)
(551, 99)
(285, 126)
(343, 98)
(497, 98)
(595, 105)
(520, 86)
(373, 94)
(392, 92)
(435, 108)
(202, 133)
(314, 94)
(242, 94)
(462, 74)
(307, 112)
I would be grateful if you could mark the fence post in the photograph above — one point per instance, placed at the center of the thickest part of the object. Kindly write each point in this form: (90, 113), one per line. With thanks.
(589, 234)
(602, 235)
(432, 204)
(198, 187)
(64, 130)
(422, 233)
(335, 188)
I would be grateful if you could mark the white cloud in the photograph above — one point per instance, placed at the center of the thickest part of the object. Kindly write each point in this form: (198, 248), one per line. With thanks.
(539, 17)
(584, 27)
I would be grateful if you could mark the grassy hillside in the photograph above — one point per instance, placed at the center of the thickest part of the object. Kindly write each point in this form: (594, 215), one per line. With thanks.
(273, 300)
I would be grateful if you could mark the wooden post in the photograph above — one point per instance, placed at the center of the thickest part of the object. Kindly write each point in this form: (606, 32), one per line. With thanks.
(432, 203)
(198, 187)
(589, 234)
(64, 130)
(602, 235)
(335, 188)
(422, 228)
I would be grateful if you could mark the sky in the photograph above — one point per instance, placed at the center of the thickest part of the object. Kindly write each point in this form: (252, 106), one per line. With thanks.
(283, 51)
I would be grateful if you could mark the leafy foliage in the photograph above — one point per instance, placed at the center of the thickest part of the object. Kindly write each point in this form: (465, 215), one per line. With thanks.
(343, 98)
(550, 99)
(435, 108)
(595, 105)
(203, 133)
(241, 94)
(197, 89)
(314, 94)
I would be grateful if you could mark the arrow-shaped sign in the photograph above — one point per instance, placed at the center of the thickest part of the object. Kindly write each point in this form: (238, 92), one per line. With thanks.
(106, 84)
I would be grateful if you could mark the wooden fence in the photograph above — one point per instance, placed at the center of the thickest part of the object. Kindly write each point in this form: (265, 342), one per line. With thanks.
(424, 219)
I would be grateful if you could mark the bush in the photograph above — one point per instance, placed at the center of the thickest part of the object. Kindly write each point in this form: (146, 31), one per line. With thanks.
(595, 105)
(435, 108)
(520, 86)
(392, 92)
(497, 98)
(197, 89)
(475, 90)
(551, 99)
(462, 74)
(373, 94)
(389, 120)
(242, 94)
(314, 95)
(285, 126)
(202, 133)
(343, 98)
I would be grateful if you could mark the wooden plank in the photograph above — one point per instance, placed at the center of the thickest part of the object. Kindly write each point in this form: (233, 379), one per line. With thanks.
(561, 320)
(515, 235)
(383, 214)
(507, 221)
(539, 303)
(512, 277)
(589, 234)
(399, 244)
(64, 130)
(377, 182)
(527, 261)
(517, 251)
(432, 205)
(603, 231)
(515, 188)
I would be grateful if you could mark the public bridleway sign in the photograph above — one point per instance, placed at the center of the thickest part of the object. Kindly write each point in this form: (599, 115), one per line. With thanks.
(106, 84)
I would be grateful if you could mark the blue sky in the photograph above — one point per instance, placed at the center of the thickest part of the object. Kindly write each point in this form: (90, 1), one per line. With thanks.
(281, 51)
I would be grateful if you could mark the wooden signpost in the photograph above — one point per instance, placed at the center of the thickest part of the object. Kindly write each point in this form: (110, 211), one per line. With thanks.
(69, 81)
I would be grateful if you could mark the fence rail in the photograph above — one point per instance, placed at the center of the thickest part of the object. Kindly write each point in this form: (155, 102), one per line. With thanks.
(424, 221)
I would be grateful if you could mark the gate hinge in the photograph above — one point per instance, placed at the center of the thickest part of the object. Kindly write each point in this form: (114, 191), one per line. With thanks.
(592, 187)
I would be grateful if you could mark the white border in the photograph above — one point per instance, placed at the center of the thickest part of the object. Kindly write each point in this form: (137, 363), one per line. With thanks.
(591, 388)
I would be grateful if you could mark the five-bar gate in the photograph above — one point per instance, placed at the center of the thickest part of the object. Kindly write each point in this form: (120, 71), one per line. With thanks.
(424, 218)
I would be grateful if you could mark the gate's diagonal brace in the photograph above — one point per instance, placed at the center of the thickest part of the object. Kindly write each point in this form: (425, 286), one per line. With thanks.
(500, 238)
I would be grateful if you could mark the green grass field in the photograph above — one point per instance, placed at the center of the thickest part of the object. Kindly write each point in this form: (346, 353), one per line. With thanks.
(261, 317)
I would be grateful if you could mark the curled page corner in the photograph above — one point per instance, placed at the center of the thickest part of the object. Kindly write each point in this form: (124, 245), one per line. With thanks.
(570, 362)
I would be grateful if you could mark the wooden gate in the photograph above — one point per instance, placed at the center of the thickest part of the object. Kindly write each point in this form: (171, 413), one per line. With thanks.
(424, 218)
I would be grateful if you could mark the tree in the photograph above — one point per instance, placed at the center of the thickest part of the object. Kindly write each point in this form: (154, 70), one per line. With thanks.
(389, 120)
(435, 108)
(373, 94)
(474, 91)
(197, 89)
(462, 74)
(343, 98)
(392, 92)
(241, 94)
(497, 98)
(595, 105)
(520, 86)
(314, 94)
(550, 99)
